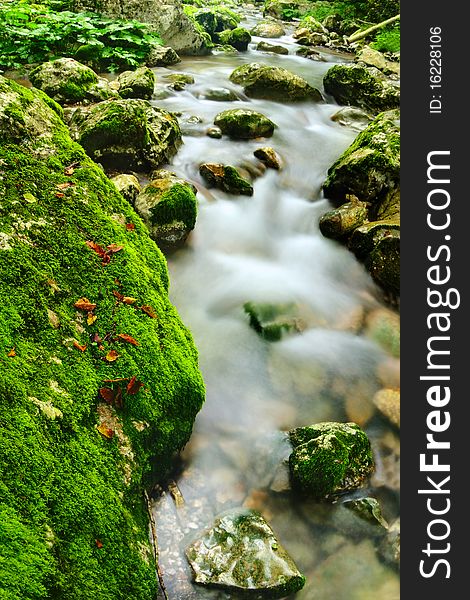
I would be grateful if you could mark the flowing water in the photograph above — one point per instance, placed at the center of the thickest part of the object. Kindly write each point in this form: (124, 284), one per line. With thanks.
(268, 248)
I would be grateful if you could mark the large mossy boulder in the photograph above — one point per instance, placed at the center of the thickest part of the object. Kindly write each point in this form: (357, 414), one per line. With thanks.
(273, 83)
(69, 82)
(168, 206)
(98, 376)
(239, 38)
(370, 168)
(366, 88)
(242, 555)
(244, 124)
(286, 10)
(137, 84)
(127, 134)
(214, 19)
(330, 458)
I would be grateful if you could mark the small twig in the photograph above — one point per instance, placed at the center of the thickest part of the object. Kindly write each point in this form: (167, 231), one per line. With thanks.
(155, 545)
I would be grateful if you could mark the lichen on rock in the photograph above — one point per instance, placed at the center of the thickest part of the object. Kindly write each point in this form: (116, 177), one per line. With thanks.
(136, 84)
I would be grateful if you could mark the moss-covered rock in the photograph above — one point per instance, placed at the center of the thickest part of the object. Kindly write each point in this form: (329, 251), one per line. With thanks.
(383, 262)
(79, 433)
(366, 237)
(273, 83)
(274, 48)
(68, 82)
(366, 88)
(162, 56)
(226, 178)
(137, 84)
(273, 321)
(329, 458)
(239, 38)
(269, 157)
(351, 117)
(244, 124)
(341, 221)
(286, 10)
(214, 19)
(168, 206)
(221, 95)
(179, 81)
(268, 29)
(127, 134)
(370, 168)
(128, 186)
(241, 554)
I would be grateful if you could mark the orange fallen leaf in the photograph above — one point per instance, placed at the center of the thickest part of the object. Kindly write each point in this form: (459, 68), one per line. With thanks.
(129, 300)
(107, 394)
(78, 347)
(127, 338)
(149, 311)
(85, 305)
(64, 186)
(99, 543)
(130, 226)
(133, 386)
(112, 356)
(118, 295)
(118, 398)
(69, 171)
(59, 195)
(113, 248)
(105, 430)
(12, 352)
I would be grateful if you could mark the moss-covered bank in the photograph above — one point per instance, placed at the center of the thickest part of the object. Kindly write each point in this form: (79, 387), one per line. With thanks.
(72, 517)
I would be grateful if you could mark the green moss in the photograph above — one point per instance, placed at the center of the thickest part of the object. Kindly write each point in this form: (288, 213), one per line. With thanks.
(329, 458)
(66, 489)
(241, 123)
(271, 321)
(239, 38)
(179, 203)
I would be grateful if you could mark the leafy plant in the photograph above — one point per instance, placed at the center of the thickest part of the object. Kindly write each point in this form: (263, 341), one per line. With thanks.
(388, 40)
(35, 33)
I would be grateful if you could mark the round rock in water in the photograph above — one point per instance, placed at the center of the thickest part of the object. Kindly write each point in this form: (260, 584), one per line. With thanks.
(241, 554)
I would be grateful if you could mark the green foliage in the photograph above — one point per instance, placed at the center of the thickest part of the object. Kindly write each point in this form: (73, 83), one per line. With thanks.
(289, 14)
(368, 11)
(34, 33)
(388, 40)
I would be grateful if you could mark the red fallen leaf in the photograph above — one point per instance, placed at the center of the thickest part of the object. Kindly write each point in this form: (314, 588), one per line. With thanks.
(59, 195)
(99, 543)
(118, 295)
(129, 300)
(112, 356)
(105, 431)
(64, 186)
(78, 347)
(113, 248)
(149, 311)
(130, 226)
(85, 305)
(133, 386)
(96, 248)
(12, 352)
(127, 338)
(97, 338)
(107, 394)
(106, 260)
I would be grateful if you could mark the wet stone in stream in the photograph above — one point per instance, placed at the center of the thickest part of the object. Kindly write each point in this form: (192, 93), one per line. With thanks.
(241, 553)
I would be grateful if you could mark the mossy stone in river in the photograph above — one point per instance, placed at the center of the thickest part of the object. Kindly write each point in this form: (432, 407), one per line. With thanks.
(73, 523)
(268, 29)
(127, 134)
(168, 206)
(329, 458)
(68, 81)
(242, 555)
(358, 86)
(226, 178)
(272, 321)
(274, 48)
(383, 262)
(273, 83)
(342, 221)
(244, 124)
(370, 168)
(239, 38)
(137, 84)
